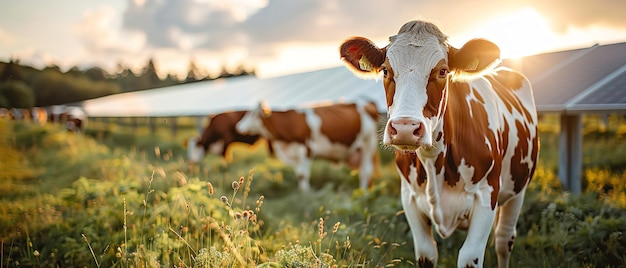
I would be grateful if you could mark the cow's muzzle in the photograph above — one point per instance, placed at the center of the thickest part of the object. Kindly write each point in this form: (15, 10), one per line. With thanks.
(405, 133)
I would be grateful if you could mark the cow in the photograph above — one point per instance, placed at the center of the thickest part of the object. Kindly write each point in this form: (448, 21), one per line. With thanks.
(342, 132)
(217, 137)
(39, 115)
(55, 112)
(464, 133)
(75, 119)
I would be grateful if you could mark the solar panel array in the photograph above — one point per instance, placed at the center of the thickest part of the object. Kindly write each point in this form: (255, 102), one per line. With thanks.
(577, 81)
(584, 80)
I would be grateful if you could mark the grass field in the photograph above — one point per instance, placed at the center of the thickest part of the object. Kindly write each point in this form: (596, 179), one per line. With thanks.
(110, 198)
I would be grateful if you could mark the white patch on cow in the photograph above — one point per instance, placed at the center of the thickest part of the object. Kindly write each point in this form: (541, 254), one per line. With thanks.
(195, 152)
(252, 124)
(217, 147)
(320, 144)
(412, 58)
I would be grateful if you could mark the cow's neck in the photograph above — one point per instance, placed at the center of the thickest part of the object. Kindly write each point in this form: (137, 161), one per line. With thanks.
(434, 160)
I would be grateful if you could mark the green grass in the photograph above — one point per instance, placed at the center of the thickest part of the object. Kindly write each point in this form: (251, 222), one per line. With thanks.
(112, 199)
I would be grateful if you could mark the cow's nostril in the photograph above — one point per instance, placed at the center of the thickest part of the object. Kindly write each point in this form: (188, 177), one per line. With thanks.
(417, 130)
(393, 131)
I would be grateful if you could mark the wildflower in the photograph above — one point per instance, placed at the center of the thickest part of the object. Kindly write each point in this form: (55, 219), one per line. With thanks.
(210, 186)
(36, 253)
(336, 227)
(320, 227)
(235, 185)
(224, 199)
(241, 180)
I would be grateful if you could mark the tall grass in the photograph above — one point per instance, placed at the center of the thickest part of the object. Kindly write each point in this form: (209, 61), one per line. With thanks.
(103, 201)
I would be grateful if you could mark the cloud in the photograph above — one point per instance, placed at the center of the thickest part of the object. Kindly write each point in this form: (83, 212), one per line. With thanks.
(100, 34)
(226, 23)
(6, 38)
(260, 29)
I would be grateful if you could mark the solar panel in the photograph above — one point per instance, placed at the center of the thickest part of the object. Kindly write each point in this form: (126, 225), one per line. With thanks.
(562, 80)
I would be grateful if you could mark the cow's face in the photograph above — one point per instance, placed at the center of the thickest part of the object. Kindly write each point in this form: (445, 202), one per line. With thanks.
(416, 68)
(195, 152)
(252, 122)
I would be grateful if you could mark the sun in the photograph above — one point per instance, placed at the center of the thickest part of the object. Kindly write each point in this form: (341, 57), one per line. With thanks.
(519, 33)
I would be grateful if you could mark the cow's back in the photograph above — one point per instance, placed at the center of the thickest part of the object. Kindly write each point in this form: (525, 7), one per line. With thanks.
(339, 123)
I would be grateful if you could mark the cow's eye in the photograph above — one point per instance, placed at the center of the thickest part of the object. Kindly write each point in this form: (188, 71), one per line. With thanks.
(384, 72)
(443, 72)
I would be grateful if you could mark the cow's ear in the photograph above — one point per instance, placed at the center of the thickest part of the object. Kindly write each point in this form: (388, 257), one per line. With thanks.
(362, 56)
(474, 58)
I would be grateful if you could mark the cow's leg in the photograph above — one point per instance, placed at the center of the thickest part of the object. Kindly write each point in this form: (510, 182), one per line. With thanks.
(505, 227)
(302, 167)
(366, 168)
(421, 230)
(303, 173)
(472, 252)
(295, 156)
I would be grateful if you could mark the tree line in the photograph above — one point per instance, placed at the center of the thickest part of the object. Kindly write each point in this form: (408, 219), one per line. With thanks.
(23, 86)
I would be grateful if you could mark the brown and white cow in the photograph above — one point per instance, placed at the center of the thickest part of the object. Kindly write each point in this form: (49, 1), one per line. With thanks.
(75, 119)
(217, 136)
(39, 114)
(465, 135)
(345, 132)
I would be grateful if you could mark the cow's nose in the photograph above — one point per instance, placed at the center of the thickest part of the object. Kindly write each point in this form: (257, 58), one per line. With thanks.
(405, 131)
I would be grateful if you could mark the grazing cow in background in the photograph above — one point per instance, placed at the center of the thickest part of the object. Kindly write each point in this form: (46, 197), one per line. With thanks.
(75, 119)
(465, 136)
(18, 114)
(5, 113)
(39, 115)
(55, 112)
(341, 132)
(217, 136)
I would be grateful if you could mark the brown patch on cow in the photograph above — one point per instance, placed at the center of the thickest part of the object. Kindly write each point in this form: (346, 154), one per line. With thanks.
(404, 161)
(389, 84)
(504, 84)
(423, 262)
(434, 90)
(222, 127)
(451, 176)
(344, 117)
(533, 155)
(439, 136)
(298, 130)
(521, 172)
(510, 244)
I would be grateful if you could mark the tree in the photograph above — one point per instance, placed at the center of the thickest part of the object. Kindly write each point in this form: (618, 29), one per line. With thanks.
(57, 88)
(17, 94)
(96, 74)
(12, 71)
(194, 73)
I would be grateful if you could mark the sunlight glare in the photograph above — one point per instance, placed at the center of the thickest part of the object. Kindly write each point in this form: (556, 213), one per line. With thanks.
(518, 34)
(300, 57)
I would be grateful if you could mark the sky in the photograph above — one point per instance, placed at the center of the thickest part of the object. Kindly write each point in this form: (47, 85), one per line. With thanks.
(280, 37)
